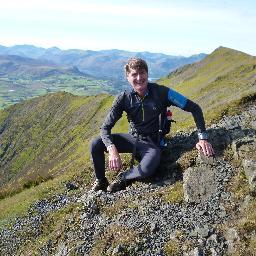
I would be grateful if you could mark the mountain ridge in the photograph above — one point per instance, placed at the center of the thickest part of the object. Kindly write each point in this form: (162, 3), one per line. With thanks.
(47, 112)
(105, 63)
(193, 205)
(208, 81)
(211, 211)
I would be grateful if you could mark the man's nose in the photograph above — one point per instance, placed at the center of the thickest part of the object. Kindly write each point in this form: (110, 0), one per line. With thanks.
(138, 77)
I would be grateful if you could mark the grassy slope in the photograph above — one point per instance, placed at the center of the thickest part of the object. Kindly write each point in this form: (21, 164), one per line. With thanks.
(44, 142)
(51, 133)
(46, 136)
(218, 83)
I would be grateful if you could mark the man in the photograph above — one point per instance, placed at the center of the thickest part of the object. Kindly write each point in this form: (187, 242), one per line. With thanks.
(142, 104)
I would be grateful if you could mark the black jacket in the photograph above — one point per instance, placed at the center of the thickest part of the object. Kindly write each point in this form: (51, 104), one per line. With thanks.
(143, 114)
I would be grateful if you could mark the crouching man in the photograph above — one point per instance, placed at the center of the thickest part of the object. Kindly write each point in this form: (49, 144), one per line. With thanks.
(142, 104)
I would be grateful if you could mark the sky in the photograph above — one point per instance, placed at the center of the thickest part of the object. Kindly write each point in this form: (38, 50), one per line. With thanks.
(178, 27)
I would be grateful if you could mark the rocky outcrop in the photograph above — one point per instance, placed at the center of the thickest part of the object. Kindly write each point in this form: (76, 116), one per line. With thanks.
(144, 219)
(244, 151)
(205, 181)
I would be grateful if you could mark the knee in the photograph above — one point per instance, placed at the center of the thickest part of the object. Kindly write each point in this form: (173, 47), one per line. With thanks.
(151, 166)
(96, 145)
(156, 156)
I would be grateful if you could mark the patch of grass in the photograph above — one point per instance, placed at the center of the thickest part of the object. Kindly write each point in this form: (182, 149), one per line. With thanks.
(247, 224)
(118, 206)
(172, 248)
(174, 193)
(239, 186)
(252, 244)
(47, 136)
(245, 220)
(18, 204)
(113, 236)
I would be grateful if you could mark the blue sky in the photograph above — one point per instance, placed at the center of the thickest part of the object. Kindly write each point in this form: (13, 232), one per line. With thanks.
(179, 27)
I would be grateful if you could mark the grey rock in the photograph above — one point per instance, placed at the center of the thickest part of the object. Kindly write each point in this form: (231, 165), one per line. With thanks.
(62, 250)
(232, 235)
(247, 200)
(211, 160)
(153, 227)
(203, 232)
(244, 148)
(213, 239)
(118, 249)
(213, 252)
(195, 252)
(199, 183)
(250, 171)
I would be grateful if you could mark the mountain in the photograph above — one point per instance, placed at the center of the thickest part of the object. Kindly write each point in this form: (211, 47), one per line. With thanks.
(16, 66)
(27, 71)
(29, 51)
(194, 205)
(22, 78)
(36, 135)
(105, 64)
(218, 82)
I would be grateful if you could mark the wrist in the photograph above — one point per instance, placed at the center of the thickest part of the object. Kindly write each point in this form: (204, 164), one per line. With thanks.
(202, 135)
(112, 150)
(110, 147)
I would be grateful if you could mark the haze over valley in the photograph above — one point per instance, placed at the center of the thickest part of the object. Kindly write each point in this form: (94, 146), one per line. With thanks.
(27, 71)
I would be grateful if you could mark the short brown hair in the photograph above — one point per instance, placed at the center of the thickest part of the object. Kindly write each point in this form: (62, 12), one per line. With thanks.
(137, 64)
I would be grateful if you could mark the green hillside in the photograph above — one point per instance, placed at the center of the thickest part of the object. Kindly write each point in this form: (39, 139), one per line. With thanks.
(218, 83)
(47, 136)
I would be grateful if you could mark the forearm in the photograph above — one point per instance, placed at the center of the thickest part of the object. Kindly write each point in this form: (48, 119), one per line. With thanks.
(106, 137)
(197, 113)
(113, 116)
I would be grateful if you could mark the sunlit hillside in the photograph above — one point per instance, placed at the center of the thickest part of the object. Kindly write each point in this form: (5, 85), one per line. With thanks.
(218, 83)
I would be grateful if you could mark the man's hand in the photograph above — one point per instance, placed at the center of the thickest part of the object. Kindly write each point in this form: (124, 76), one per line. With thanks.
(205, 147)
(114, 160)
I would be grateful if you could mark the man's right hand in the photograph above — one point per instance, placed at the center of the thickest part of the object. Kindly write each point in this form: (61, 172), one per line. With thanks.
(114, 160)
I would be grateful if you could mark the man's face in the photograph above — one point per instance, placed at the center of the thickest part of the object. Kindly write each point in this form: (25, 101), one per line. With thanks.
(138, 80)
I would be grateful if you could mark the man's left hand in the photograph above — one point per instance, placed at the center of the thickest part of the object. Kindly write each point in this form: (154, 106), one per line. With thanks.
(205, 147)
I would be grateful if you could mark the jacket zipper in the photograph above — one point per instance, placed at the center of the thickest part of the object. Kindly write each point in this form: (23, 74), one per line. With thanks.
(142, 109)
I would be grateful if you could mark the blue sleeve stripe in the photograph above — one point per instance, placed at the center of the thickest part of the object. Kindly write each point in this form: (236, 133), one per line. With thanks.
(178, 99)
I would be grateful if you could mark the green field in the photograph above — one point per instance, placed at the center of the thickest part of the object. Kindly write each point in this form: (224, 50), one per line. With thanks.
(14, 90)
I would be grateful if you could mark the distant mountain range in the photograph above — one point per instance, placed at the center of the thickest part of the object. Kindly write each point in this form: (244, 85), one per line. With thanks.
(14, 65)
(105, 64)
(22, 78)
(27, 71)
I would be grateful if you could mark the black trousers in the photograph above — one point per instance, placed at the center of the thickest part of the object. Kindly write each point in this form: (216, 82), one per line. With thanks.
(149, 153)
